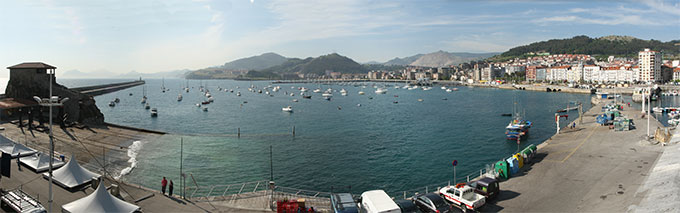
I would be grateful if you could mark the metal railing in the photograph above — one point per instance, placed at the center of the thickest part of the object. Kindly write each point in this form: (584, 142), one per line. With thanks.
(225, 192)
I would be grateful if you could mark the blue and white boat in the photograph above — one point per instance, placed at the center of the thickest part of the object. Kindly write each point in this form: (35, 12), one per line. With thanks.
(517, 128)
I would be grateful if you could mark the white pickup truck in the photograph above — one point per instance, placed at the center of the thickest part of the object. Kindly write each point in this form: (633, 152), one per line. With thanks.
(463, 196)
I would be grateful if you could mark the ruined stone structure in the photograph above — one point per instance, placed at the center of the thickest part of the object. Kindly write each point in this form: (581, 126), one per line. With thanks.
(33, 79)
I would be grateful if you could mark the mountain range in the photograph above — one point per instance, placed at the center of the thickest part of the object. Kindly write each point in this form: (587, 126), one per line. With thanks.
(131, 74)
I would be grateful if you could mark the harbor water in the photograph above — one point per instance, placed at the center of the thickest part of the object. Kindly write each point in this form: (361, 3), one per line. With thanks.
(393, 141)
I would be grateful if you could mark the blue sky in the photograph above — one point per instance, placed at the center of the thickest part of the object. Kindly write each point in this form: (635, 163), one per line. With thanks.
(152, 36)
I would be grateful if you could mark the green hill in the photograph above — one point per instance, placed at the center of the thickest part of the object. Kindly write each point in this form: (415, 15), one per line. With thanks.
(603, 46)
(319, 65)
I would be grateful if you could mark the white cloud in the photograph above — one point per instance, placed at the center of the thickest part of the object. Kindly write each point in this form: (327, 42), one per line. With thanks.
(662, 6)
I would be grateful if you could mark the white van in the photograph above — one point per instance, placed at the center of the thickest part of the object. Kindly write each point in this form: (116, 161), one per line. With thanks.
(377, 201)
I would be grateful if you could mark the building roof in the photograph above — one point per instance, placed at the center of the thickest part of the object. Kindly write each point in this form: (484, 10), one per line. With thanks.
(32, 65)
(10, 103)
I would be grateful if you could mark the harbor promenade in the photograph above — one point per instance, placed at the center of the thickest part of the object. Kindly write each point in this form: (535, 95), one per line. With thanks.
(588, 169)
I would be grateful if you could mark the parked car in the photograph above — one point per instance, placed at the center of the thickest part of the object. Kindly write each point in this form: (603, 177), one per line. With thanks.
(486, 186)
(432, 202)
(377, 201)
(407, 206)
(463, 196)
(343, 203)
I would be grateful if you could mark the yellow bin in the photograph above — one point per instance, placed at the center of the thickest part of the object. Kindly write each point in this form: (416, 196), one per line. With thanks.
(520, 159)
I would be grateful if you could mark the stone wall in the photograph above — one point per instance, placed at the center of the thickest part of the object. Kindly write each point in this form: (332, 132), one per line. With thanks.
(26, 83)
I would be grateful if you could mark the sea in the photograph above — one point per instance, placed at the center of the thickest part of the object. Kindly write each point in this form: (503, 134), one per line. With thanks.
(399, 141)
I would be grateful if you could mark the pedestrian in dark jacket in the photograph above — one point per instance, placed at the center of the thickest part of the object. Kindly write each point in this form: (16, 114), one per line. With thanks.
(172, 185)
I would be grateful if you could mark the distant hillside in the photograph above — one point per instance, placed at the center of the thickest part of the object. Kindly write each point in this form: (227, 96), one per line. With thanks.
(443, 59)
(319, 65)
(608, 45)
(403, 61)
(255, 62)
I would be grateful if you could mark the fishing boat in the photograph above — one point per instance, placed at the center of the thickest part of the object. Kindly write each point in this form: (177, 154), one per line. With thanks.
(154, 112)
(517, 128)
(147, 106)
(287, 109)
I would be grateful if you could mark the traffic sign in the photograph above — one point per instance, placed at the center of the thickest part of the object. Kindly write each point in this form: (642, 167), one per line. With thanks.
(455, 162)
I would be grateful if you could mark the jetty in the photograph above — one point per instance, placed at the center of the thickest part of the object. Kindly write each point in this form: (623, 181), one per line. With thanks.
(107, 88)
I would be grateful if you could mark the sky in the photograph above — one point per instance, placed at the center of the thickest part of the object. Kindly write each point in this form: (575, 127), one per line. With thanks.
(119, 36)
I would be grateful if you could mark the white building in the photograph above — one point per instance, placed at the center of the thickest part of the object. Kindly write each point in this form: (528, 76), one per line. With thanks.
(650, 65)
(591, 73)
(575, 74)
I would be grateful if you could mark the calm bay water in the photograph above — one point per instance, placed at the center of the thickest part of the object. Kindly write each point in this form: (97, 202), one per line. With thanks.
(379, 145)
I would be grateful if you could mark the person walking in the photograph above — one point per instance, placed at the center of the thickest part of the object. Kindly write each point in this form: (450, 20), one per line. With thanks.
(164, 183)
(172, 185)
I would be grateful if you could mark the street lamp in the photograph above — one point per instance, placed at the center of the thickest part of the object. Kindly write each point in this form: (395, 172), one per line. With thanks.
(52, 101)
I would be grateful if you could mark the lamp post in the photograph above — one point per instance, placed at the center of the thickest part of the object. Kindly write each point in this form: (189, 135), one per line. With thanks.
(51, 101)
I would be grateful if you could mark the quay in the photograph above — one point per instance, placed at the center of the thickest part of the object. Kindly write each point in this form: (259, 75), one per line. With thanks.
(588, 169)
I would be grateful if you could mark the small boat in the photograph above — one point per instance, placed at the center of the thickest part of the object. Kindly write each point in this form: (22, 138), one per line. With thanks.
(198, 105)
(449, 90)
(307, 96)
(343, 92)
(339, 108)
(359, 105)
(147, 106)
(326, 94)
(238, 93)
(295, 100)
(420, 100)
(455, 89)
(445, 99)
(568, 109)
(317, 90)
(144, 99)
(517, 129)
(395, 102)
(179, 97)
(116, 100)
(205, 109)
(287, 109)
(328, 98)
(154, 112)
(112, 104)
(292, 94)
(444, 88)
(361, 93)
(381, 91)
(130, 94)
(205, 102)
(506, 114)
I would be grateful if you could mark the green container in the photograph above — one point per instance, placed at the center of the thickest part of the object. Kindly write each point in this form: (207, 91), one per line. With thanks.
(501, 168)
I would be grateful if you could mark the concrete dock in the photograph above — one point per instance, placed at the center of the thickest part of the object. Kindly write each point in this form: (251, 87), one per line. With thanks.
(588, 169)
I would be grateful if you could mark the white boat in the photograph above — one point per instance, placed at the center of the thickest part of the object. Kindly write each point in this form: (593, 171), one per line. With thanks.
(144, 99)
(381, 91)
(211, 99)
(292, 94)
(154, 112)
(326, 94)
(295, 100)
(444, 88)
(179, 97)
(287, 109)
(112, 104)
(303, 89)
(449, 90)
(238, 93)
(361, 93)
(405, 87)
(317, 90)
(411, 88)
(343, 92)
(198, 105)
(427, 88)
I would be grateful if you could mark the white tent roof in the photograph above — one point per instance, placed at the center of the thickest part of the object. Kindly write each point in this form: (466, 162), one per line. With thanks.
(72, 174)
(10, 147)
(40, 162)
(99, 201)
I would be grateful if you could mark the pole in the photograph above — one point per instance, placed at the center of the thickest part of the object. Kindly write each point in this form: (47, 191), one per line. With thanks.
(649, 103)
(49, 199)
(580, 113)
(271, 165)
(181, 159)
(104, 156)
(454, 175)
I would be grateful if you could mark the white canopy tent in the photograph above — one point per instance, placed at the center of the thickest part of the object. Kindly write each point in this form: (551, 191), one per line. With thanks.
(72, 174)
(40, 162)
(15, 149)
(99, 201)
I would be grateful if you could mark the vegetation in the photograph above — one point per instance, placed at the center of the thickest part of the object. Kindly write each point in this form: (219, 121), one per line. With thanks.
(332, 62)
(604, 46)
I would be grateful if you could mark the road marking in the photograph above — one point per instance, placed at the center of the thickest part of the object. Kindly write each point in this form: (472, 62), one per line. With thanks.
(579, 146)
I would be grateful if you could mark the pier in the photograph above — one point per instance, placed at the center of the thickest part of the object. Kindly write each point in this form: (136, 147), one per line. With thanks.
(107, 88)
